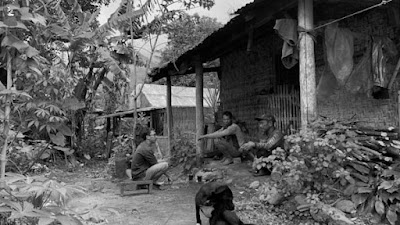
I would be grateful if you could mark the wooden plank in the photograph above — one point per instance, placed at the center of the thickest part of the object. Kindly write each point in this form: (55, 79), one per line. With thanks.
(132, 186)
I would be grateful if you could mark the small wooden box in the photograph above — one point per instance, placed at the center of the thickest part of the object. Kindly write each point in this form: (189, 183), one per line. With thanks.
(132, 186)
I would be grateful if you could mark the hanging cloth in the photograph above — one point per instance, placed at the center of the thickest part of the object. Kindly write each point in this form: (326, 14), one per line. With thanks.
(339, 50)
(360, 79)
(382, 49)
(287, 30)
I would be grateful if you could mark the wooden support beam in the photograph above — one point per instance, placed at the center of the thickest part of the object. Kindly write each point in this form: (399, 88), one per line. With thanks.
(308, 101)
(170, 123)
(199, 110)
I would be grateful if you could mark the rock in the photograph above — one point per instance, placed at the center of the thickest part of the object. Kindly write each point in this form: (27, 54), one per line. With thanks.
(274, 197)
(255, 184)
(300, 199)
(346, 206)
(237, 160)
(322, 212)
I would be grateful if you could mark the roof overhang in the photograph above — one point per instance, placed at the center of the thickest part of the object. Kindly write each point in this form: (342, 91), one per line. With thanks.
(249, 18)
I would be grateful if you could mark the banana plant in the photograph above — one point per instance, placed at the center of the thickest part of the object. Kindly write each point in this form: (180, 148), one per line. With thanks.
(144, 20)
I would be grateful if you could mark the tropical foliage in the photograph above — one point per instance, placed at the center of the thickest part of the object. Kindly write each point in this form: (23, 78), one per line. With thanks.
(53, 58)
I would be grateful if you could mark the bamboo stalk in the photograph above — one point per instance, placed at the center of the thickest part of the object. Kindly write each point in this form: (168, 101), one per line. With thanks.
(282, 102)
(3, 158)
(286, 107)
(135, 117)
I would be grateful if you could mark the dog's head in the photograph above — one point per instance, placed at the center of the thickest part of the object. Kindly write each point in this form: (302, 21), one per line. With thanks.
(223, 197)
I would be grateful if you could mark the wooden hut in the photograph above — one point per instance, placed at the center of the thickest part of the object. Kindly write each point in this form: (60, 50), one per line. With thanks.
(254, 80)
(153, 102)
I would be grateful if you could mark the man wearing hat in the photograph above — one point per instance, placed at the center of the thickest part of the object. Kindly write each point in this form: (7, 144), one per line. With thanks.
(271, 138)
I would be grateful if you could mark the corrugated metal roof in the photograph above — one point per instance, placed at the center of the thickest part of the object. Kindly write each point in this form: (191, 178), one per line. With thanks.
(155, 96)
(123, 113)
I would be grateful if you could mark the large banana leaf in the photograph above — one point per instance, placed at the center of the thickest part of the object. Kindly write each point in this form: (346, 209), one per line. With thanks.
(25, 14)
(111, 63)
(22, 47)
(124, 14)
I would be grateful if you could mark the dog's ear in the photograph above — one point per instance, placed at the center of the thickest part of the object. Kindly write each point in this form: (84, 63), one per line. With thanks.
(221, 189)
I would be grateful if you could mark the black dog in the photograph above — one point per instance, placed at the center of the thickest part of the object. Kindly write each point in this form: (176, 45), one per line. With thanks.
(222, 213)
(208, 194)
(220, 196)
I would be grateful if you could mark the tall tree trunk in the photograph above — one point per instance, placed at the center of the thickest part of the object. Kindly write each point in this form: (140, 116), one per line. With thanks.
(80, 93)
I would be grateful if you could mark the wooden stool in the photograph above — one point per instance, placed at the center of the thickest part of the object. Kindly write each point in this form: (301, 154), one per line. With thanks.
(132, 186)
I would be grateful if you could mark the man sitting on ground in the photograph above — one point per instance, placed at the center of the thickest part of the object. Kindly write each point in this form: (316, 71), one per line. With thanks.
(144, 165)
(229, 139)
(271, 138)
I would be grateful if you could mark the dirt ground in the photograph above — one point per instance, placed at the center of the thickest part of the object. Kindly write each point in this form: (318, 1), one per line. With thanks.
(173, 205)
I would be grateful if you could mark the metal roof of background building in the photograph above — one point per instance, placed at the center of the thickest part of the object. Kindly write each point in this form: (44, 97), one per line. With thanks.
(155, 96)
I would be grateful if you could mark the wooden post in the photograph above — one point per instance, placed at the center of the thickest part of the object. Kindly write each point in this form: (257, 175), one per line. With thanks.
(199, 110)
(308, 101)
(169, 113)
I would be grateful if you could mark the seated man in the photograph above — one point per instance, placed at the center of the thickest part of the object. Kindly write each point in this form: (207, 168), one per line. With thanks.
(271, 138)
(230, 138)
(144, 165)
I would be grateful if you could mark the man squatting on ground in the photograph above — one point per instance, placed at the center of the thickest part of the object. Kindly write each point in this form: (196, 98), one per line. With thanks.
(271, 138)
(144, 164)
(229, 139)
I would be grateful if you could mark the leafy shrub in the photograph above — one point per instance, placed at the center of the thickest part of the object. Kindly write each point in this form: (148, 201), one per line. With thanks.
(183, 150)
(37, 200)
(330, 162)
(93, 145)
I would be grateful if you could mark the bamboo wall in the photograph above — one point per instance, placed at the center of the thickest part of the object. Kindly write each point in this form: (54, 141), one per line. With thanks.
(284, 105)
(184, 119)
(249, 86)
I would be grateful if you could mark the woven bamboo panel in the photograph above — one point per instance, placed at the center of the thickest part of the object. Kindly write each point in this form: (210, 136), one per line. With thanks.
(284, 104)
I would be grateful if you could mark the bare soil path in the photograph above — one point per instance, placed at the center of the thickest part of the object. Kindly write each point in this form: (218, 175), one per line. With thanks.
(173, 205)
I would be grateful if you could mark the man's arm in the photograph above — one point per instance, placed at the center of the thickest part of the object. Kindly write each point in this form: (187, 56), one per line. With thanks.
(276, 137)
(149, 156)
(219, 133)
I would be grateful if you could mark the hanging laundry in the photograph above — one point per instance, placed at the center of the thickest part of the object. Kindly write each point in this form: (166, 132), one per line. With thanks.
(327, 85)
(360, 79)
(382, 49)
(287, 30)
(339, 49)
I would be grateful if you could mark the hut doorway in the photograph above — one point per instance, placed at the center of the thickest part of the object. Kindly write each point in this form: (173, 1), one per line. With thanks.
(284, 102)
